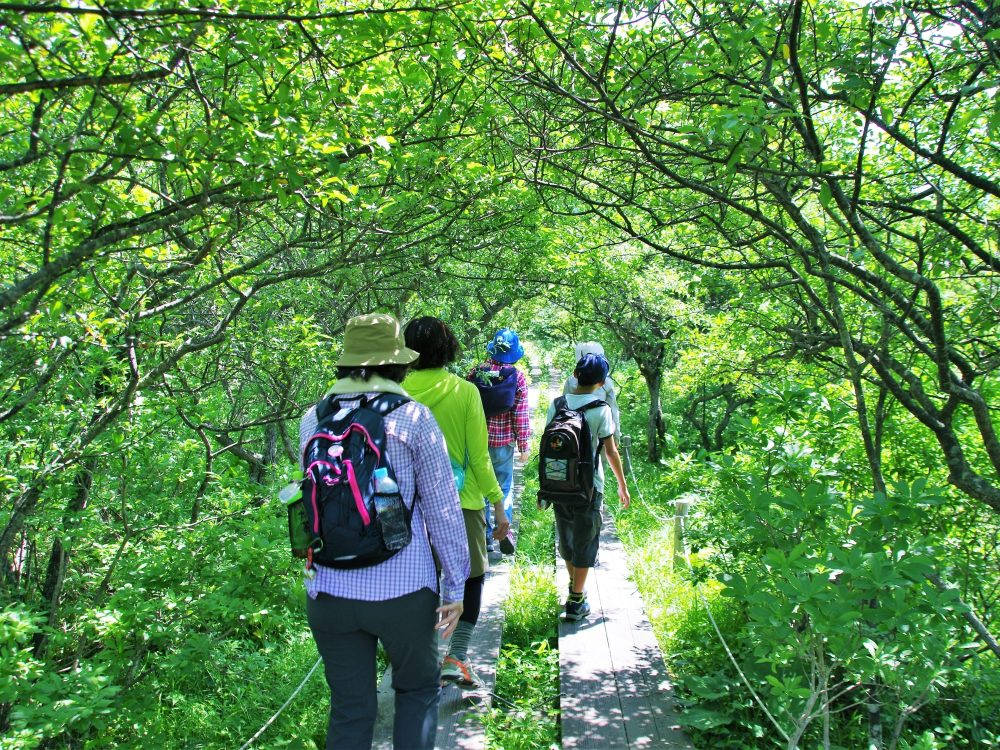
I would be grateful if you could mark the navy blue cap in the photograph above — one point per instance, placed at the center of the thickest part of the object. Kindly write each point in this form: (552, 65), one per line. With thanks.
(591, 369)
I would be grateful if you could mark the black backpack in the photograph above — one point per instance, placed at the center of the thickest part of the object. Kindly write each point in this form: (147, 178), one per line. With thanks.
(496, 389)
(567, 456)
(339, 461)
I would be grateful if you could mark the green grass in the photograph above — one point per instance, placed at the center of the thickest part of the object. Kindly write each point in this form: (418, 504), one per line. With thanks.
(525, 713)
(531, 608)
(230, 701)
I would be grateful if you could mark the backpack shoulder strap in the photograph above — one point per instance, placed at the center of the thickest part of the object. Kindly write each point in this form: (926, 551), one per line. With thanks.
(594, 439)
(325, 407)
(385, 403)
(561, 403)
(382, 403)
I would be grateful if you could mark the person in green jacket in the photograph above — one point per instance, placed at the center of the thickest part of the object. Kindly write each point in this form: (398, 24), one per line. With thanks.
(458, 409)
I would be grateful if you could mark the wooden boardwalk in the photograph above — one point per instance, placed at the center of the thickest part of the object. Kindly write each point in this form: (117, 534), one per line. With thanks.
(615, 689)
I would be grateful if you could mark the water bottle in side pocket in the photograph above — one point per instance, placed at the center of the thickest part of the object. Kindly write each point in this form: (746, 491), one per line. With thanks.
(390, 512)
(299, 537)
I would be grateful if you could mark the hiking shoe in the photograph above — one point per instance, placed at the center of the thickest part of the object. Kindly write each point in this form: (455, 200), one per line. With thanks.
(459, 672)
(576, 611)
(507, 544)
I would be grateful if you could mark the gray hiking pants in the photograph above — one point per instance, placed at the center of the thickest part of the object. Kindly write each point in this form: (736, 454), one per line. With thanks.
(346, 632)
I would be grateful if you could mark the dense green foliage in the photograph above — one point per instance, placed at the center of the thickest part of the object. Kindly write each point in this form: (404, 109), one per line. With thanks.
(780, 218)
(825, 599)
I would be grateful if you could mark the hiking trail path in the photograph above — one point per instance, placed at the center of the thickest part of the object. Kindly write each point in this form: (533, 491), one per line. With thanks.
(615, 693)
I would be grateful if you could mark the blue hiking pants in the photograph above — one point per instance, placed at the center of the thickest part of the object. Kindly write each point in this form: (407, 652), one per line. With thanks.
(503, 467)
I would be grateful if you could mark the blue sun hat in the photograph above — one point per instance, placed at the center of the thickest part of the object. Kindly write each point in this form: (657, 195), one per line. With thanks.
(505, 347)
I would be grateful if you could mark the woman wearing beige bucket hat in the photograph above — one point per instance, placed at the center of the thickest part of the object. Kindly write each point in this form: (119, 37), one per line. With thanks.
(396, 601)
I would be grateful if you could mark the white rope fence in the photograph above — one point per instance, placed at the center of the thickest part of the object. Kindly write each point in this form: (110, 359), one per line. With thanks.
(288, 702)
(722, 640)
(680, 518)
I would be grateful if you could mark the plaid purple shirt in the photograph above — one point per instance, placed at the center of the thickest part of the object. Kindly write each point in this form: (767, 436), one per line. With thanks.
(416, 450)
(504, 429)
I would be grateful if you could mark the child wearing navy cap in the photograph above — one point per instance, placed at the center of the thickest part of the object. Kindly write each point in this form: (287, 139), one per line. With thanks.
(579, 529)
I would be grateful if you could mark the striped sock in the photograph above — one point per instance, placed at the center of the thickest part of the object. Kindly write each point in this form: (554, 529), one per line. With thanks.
(574, 597)
(460, 639)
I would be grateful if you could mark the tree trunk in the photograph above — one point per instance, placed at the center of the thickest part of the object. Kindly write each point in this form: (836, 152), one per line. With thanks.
(270, 447)
(874, 709)
(24, 506)
(654, 425)
(55, 575)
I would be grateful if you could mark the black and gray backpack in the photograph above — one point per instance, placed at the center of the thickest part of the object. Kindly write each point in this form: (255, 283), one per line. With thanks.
(567, 456)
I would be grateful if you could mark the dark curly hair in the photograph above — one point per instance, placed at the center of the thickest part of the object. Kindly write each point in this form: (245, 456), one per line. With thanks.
(434, 340)
(395, 373)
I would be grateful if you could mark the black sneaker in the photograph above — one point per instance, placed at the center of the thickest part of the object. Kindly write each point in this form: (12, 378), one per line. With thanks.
(576, 611)
(507, 544)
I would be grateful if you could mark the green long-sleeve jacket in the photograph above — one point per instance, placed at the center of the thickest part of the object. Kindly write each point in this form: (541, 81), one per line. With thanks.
(458, 410)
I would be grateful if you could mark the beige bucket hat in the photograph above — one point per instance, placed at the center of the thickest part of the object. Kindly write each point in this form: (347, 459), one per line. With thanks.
(374, 339)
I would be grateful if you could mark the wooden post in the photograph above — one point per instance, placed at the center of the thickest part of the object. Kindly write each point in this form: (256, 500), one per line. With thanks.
(626, 443)
(680, 511)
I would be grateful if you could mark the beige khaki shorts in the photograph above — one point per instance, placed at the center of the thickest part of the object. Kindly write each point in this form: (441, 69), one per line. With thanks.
(475, 530)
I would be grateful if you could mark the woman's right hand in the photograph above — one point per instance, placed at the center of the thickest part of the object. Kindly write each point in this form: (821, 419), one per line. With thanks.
(501, 526)
(448, 615)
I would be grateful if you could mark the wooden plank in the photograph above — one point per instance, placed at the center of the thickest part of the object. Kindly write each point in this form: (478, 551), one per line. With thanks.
(616, 691)
(591, 712)
(382, 739)
(644, 687)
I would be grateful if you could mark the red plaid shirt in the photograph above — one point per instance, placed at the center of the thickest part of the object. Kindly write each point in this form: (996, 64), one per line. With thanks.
(504, 429)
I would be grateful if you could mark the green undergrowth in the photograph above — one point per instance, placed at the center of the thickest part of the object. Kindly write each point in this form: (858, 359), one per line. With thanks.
(249, 688)
(768, 598)
(212, 620)
(224, 694)
(525, 713)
